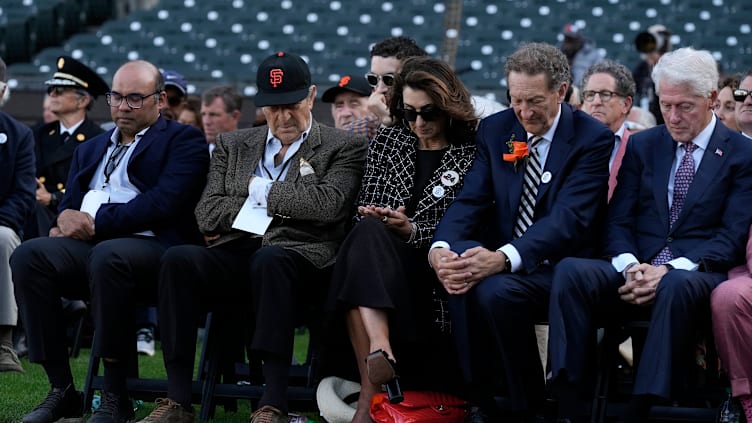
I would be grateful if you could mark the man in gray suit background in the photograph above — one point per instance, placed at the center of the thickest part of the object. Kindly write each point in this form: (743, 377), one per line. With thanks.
(300, 175)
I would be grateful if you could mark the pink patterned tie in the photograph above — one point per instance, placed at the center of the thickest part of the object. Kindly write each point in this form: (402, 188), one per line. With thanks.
(682, 180)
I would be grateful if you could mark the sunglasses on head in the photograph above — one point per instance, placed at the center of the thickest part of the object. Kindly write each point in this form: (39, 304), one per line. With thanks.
(740, 94)
(373, 79)
(429, 114)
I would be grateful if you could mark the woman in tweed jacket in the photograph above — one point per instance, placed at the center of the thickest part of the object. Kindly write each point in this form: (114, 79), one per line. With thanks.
(414, 169)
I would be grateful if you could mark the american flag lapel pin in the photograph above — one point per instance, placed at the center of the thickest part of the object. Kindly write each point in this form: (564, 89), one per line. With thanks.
(719, 152)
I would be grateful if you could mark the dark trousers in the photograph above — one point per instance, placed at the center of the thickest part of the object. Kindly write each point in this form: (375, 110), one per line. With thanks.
(494, 324)
(271, 283)
(584, 294)
(113, 274)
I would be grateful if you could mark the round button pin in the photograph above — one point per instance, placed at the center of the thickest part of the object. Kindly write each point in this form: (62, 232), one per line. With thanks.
(450, 178)
(546, 177)
(438, 191)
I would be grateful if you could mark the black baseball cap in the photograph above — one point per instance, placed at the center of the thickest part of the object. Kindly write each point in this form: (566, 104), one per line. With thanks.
(353, 83)
(72, 73)
(282, 78)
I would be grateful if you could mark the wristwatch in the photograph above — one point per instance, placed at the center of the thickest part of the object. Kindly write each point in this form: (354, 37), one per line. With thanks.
(507, 265)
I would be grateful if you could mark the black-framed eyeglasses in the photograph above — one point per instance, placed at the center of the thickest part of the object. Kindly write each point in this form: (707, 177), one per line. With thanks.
(428, 114)
(740, 94)
(134, 101)
(605, 95)
(373, 79)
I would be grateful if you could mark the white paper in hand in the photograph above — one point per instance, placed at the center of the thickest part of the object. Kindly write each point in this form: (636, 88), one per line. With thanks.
(252, 218)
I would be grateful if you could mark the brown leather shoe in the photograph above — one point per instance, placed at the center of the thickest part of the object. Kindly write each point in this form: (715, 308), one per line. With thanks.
(269, 414)
(168, 411)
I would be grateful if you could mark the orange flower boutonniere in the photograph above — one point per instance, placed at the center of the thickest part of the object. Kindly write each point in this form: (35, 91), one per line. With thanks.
(517, 151)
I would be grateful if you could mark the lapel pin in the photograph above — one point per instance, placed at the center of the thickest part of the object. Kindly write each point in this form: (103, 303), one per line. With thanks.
(719, 152)
(546, 177)
(438, 191)
(81, 137)
(450, 178)
(3, 138)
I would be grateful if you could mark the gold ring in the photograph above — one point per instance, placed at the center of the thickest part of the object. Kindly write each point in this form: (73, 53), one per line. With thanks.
(383, 219)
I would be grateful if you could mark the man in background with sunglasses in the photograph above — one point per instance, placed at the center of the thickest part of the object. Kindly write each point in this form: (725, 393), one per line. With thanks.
(130, 196)
(177, 92)
(743, 98)
(72, 91)
(386, 61)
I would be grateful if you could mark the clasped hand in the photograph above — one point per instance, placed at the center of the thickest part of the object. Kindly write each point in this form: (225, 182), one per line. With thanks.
(642, 282)
(74, 224)
(458, 273)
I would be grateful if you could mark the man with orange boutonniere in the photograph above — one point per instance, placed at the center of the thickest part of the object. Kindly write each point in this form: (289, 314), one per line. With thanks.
(535, 194)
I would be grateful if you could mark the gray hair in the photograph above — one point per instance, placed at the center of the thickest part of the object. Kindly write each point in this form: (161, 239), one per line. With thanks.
(625, 84)
(686, 66)
(537, 58)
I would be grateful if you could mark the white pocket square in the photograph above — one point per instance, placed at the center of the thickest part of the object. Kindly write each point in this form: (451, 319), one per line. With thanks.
(305, 168)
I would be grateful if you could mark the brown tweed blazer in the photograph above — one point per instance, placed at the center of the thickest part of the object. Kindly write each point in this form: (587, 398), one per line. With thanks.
(310, 212)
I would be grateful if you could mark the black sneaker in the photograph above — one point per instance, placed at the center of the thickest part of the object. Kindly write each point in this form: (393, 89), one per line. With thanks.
(113, 409)
(60, 403)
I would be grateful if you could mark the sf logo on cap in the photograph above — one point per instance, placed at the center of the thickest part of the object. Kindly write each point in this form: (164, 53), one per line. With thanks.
(275, 77)
(344, 80)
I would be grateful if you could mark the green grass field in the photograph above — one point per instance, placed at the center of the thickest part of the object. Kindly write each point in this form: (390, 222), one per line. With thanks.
(20, 393)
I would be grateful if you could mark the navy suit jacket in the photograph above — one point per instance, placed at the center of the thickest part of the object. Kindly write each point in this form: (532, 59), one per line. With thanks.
(168, 166)
(567, 207)
(17, 183)
(714, 222)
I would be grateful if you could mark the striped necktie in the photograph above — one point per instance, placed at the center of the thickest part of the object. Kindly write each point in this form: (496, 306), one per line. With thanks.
(533, 171)
(685, 173)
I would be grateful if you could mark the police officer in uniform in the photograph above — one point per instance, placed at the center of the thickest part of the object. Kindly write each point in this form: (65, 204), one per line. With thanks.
(72, 90)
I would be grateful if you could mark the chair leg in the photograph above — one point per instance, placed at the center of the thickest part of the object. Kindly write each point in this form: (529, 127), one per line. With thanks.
(91, 373)
(76, 347)
(607, 351)
(209, 372)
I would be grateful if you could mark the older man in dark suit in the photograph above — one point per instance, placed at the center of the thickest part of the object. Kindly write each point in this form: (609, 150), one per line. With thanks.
(678, 221)
(296, 182)
(531, 198)
(129, 197)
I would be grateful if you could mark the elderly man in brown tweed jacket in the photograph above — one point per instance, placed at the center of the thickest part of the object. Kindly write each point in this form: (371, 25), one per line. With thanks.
(305, 176)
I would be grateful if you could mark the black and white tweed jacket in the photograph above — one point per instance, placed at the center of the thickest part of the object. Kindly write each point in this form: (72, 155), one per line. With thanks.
(390, 169)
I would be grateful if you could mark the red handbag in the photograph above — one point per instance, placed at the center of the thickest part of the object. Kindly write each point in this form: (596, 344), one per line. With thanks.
(419, 407)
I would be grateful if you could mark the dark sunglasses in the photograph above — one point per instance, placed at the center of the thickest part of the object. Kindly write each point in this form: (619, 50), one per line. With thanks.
(429, 114)
(174, 101)
(373, 79)
(740, 94)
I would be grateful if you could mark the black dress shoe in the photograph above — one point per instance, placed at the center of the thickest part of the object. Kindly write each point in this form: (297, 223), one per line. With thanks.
(60, 403)
(114, 409)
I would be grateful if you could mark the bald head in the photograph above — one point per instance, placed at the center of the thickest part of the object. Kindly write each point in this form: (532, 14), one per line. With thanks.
(137, 96)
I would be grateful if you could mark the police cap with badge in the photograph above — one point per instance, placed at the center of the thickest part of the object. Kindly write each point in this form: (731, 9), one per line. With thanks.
(73, 74)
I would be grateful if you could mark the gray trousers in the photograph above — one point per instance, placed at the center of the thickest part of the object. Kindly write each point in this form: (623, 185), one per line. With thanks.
(9, 240)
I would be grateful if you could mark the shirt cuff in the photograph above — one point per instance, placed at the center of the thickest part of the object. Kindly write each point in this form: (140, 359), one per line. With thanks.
(437, 244)
(258, 190)
(513, 255)
(684, 263)
(623, 260)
